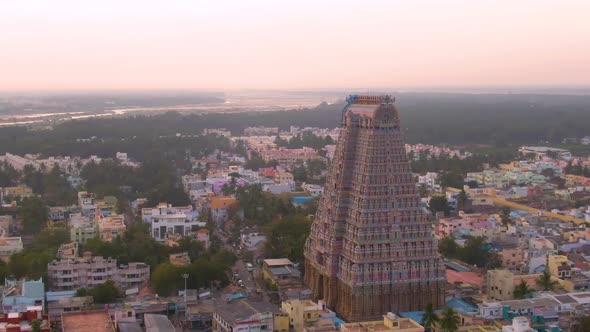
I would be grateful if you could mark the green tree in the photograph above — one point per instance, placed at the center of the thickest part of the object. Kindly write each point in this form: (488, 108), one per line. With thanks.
(33, 213)
(439, 204)
(450, 320)
(580, 324)
(522, 290)
(36, 325)
(448, 247)
(165, 278)
(430, 319)
(453, 179)
(287, 236)
(505, 217)
(546, 282)
(105, 293)
(462, 199)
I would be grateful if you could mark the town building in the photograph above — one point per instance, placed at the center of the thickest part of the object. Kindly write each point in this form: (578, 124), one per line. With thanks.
(95, 321)
(241, 315)
(281, 272)
(390, 323)
(157, 323)
(371, 249)
(23, 322)
(203, 237)
(302, 314)
(9, 246)
(180, 259)
(89, 272)
(82, 228)
(110, 227)
(221, 208)
(19, 295)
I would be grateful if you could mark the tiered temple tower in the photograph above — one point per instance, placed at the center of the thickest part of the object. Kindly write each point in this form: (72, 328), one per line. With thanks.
(371, 249)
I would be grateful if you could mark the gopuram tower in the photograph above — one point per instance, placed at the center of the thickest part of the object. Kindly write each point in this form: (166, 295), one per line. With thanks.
(371, 249)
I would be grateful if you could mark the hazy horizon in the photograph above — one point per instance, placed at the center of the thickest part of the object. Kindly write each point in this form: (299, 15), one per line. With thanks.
(212, 46)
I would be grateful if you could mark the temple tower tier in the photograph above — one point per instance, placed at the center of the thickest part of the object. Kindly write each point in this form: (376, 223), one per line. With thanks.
(371, 249)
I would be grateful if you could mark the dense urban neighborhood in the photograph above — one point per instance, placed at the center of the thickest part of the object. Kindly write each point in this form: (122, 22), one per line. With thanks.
(215, 240)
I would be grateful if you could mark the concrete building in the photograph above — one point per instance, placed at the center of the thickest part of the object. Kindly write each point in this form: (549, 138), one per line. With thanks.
(95, 321)
(9, 246)
(501, 283)
(390, 323)
(313, 189)
(242, 315)
(157, 323)
(82, 228)
(163, 209)
(559, 266)
(23, 322)
(89, 271)
(179, 259)
(178, 224)
(221, 208)
(302, 314)
(371, 247)
(110, 227)
(19, 295)
(203, 237)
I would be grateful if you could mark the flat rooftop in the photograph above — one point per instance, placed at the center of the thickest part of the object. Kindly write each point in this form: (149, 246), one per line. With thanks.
(97, 321)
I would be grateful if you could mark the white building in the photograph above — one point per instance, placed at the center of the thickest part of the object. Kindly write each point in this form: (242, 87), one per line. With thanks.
(171, 224)
(313, 189)
(9, 246)
(163, 209)
(89, 272)
(82, 228)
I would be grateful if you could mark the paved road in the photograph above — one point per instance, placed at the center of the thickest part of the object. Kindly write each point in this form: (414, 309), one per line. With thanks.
(246, 276)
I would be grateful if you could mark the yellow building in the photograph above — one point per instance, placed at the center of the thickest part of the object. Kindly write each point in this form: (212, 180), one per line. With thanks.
(301, 314)
(390, 322)
(18, 191)
(501, 283)
(559, 266)
(281, 322)
(282, 176)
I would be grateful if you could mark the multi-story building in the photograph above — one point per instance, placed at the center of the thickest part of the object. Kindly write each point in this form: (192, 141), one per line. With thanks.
(261, 131)
(501, 283)
(89, 271)
(241, 315)
(9, 246)
(110, 227)
(389, 323)
(86, 203)
(18, 295)
(288, 156)
(163, 209)
(371, 249)
(282, 176)
(82, 228)
(178, 224)
(220, 209)
(302, 314)
(559, 266)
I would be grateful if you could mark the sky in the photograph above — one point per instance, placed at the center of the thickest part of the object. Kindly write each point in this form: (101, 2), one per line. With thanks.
(119, 44)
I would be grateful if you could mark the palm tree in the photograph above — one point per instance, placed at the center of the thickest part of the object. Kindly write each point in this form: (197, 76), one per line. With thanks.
(462, 199)
(430, 318)
(545, 282)
(450, 321)
(580, 324)
(522, 290)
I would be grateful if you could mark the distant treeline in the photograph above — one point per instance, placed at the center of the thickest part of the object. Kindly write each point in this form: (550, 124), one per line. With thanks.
(427, 118)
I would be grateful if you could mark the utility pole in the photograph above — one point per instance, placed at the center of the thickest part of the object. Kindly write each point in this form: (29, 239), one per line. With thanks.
(185, 276)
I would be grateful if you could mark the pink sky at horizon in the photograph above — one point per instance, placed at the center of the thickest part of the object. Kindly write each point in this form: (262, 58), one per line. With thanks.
(58, 45)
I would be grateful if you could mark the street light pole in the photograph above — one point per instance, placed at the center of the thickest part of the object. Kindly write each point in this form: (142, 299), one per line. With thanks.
(185, 276)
